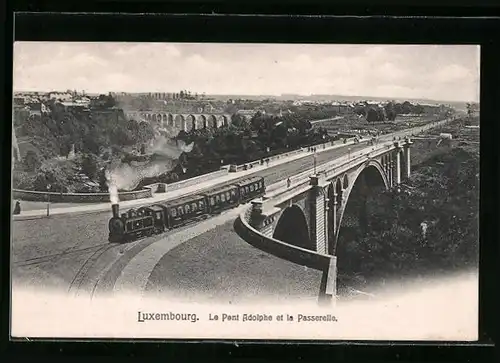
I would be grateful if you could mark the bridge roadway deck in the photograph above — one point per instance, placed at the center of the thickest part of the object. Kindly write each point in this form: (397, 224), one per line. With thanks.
(38, 209)
(49, 252)
(208, 258)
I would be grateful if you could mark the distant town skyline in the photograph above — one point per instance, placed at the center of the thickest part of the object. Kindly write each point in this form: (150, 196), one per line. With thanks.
(431, 72)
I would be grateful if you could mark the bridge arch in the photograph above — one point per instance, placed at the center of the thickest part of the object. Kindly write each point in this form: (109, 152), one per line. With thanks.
(180, 122)
(202, 122)
(212, 122)
(158, 123)
(225, 121)
(170, 120)
(373, 172)
(292, 228)
(190, 122)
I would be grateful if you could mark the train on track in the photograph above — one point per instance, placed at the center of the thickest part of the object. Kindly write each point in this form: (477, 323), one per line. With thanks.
(161, 217)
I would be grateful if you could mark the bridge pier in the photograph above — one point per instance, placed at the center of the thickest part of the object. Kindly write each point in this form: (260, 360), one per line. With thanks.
(331, 244)
(303, 225)
(398, 167)
(256, 213)
(391, 170)
(407, 155)
(318, 214)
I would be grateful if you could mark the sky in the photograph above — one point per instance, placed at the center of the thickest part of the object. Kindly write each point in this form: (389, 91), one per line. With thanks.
(437, 72)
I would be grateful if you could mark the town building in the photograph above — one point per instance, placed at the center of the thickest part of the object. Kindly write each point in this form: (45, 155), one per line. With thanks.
(61, 96)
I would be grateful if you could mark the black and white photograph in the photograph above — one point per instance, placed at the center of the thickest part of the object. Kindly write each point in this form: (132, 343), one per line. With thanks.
(245, 191)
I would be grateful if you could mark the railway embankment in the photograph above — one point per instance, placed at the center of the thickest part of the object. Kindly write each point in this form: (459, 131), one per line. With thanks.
(428, 226)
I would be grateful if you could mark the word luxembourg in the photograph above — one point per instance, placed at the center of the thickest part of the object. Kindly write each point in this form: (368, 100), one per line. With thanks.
(143, 317)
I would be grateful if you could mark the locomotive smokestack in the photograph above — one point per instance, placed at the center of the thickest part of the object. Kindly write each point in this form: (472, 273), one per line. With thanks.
(116, 210)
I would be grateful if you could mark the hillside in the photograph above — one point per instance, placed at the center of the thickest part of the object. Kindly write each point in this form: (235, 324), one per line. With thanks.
(431, 225)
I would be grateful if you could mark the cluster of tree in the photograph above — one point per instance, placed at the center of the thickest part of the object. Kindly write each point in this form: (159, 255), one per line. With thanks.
(94, 136)
(388, 112)
(316, 112)
(103, 102)
(472, 108)
(185, 95)
(244, 141)
(90, 132)
(310, 112)
(432, 225)
(59, 175)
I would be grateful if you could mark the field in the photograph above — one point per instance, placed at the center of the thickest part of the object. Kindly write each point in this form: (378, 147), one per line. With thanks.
(353, 124)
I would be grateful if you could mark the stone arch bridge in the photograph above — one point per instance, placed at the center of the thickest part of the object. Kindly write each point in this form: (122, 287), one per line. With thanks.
(302, 223)
(182, 121)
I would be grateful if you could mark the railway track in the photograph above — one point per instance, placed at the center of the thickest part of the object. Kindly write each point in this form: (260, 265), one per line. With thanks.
(81, 275)
(51, 257)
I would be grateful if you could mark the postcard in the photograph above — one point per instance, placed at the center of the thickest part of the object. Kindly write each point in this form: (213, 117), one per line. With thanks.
(245, 191)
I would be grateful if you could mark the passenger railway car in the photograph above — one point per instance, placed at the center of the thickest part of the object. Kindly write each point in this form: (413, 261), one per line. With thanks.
(184, 210)
(158, 218)
(223, 198)
(250, 188)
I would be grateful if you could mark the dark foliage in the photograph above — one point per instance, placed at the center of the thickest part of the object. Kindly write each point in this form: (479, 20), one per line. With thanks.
(443, 194)
(243, 141)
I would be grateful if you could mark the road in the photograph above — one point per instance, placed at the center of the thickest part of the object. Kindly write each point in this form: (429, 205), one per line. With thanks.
(71, 253)
(54, 253)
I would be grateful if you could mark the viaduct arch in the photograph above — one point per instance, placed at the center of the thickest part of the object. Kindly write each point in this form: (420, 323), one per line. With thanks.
(183, 121)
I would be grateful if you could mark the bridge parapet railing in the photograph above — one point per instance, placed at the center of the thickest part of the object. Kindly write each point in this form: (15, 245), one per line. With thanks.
(339, 165)
(304, 150)
(363, 155)
(342, 164)
(279, 248)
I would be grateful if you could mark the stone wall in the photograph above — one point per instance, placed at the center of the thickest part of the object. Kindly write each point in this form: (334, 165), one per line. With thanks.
(278, 248)
(196, 180)
(78, 197)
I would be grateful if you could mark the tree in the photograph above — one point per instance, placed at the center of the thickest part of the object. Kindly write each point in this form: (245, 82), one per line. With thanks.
(109, 101)
(390, 111)
(406, 108)
(381, 114)
(372, 115)
(90, 165)
(238, 120)
(32, 161)
(22, 180)
(102, 180)
(418, 109)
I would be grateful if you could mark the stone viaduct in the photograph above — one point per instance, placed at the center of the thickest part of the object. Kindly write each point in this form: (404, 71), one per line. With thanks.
(182, 121)
(302, 223)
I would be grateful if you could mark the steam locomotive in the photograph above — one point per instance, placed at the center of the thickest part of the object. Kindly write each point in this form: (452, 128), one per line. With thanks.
(158, 218)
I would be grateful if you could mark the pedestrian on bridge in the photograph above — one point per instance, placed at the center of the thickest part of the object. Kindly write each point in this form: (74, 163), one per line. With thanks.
(288, 183)
(17, 208)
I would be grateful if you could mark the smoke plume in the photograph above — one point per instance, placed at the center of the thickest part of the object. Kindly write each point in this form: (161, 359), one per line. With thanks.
(112, 188)
(164, 154)
(128, 177)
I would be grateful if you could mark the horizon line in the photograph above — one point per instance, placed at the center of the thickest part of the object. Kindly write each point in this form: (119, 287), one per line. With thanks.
(254, 95)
